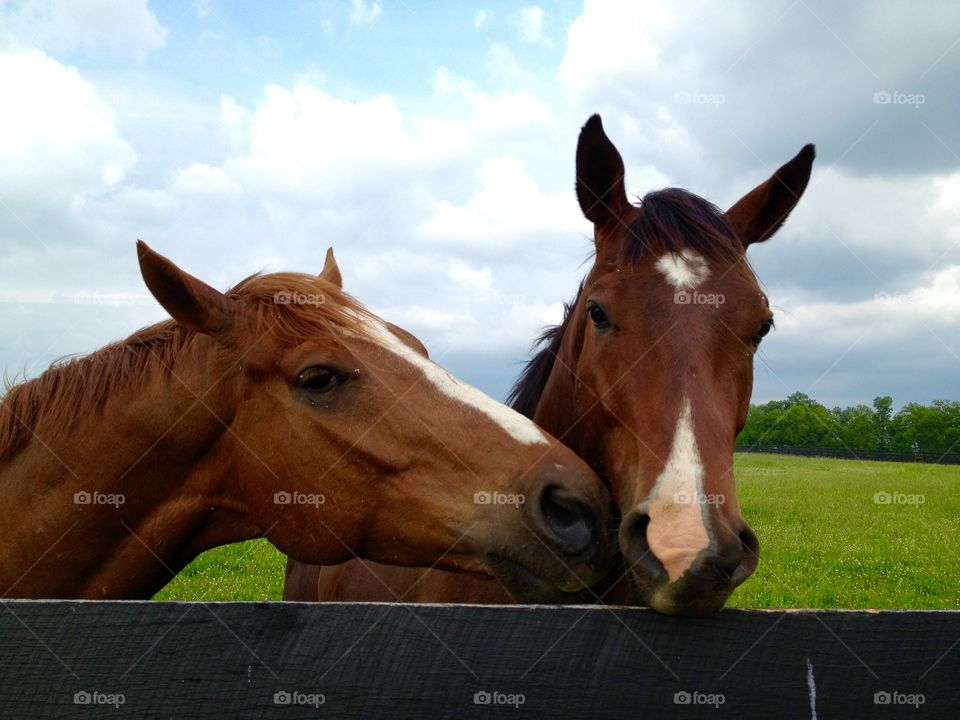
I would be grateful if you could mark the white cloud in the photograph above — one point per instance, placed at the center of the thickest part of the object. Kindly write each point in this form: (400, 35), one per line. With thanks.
(880, 217)
(235, 121)
(318, 161)
(503, 65)
(363, 13)
(303, 142)
(491, 115)
(58, 139)
(904, 343)
(452, 211)
(892, 317)
(507, 206)
(89, 25)
(200, 180)
(852, 236)
(530, 21)
(712, 88)
(480, 18)
(610, 40)
(469, 331)
(461, 272)
(426, 319)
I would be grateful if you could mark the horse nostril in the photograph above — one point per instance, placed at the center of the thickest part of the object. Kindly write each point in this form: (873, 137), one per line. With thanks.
(750, 542)
(749, 555)
(636, 548)
(567, 519)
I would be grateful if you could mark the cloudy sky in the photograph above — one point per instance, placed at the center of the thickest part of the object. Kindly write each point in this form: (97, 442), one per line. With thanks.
(432, 145)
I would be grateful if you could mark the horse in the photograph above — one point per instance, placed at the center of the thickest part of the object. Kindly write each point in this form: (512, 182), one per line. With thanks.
(648, 378)
(282, 409)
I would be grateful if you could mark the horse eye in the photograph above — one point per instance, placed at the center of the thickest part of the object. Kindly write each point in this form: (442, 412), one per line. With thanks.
(763, 331)
(598, 316)
(319, 380)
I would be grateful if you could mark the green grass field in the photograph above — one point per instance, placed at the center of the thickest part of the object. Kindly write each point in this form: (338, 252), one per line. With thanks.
(825, 540)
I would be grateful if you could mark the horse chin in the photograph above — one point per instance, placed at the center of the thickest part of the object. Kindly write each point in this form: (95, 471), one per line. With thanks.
(676, 598)
(525, 586)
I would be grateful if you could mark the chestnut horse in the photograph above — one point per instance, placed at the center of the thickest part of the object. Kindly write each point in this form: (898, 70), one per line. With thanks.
(280, 409)
(649, 379)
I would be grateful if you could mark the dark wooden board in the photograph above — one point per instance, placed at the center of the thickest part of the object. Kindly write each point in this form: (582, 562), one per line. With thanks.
(229, 660)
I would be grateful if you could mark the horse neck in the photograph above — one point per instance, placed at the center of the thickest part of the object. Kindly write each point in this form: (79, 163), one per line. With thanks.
(117, 504)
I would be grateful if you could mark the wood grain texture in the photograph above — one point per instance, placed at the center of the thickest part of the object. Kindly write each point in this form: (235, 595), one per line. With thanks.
(186, 660)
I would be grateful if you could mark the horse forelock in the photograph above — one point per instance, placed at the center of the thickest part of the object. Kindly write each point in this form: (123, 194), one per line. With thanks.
(674, 220)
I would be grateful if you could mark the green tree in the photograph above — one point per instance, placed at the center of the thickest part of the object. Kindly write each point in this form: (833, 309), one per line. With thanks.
(859, 425)
(800, 421)
(883, 407)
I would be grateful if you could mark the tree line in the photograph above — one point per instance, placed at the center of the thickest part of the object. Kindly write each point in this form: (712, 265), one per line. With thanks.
(800, 421)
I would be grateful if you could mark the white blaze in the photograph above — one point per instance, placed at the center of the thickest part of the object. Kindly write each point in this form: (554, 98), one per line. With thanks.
(684, 271)
(516, 425)
(677, 531)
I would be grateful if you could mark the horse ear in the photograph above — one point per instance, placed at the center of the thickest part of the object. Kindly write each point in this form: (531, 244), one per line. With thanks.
(409, 339)
(600, 189)
(331, 271)
(761, 212)
(191, 302)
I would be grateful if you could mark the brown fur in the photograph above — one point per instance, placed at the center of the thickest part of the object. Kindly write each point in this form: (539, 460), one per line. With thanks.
(614, 395)
(198, 431)
(77, 387)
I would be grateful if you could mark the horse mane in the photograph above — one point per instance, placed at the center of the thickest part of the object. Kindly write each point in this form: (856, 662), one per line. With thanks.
(79, 386)
(525, 394)
(673, 220)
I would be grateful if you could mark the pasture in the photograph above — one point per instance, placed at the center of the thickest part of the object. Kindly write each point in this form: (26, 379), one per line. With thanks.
(827, 539)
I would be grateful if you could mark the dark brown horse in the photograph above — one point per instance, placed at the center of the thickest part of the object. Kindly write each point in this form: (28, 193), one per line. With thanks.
(649, 379)
(281, 409)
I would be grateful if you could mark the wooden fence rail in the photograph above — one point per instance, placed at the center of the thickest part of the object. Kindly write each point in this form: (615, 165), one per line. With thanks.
(288, 660)
(850, 454)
